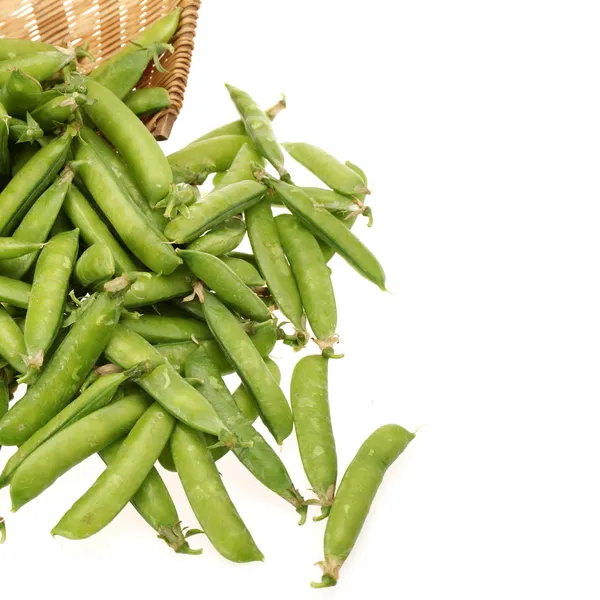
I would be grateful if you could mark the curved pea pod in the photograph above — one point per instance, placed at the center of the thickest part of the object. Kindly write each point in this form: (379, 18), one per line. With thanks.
(20, 93)
(96, 265)
(146, 242)
(312, 421)
(161, 30)
(242, 168)
(31, 181)
(126, 348)
(313, 278)
(328, 169)
(93, 230)
(355, 496)
(244, 270)
(117, 485)
(222, 239)
(147, 100)
(150, 288)
(72, 445)
(250, 366)
(14, 292)
(194, 163)
(226, 284)
(209, 499)
(12, 48)
(133, 141)
(96, 396)
(213, 209)
(324, 225)
(13, 248)
(272, 262)
(159, 329)
(21, 132)
(40, 66)
(155, 505)
(66, 370)
(58, 110)
(259, 128)
(4, 153)
(12, 344)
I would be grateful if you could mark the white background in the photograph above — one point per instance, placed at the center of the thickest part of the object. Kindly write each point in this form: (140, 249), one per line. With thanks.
(478, 124)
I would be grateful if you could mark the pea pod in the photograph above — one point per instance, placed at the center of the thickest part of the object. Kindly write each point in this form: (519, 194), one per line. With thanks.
(117, 485)
(160, 329)
(216, 207)
(244, 270)
(93, 230)
(235, 343)
(333, 232)
(58, 110)
(66, 370)
(48, 292)
(40, 66)
(243, 398)
(96, 265)
(155, 505)
(144, 241)
(12, 48)
(355, 496)
(14, 292)
(13, 248)
(4, 153)
(133, 141)
(150, 288)
(313, 277)
(209, 499)
(259, 128)
(12, 345)
(222, 239)
(271, 260)
(242, 168)
(20, 93)
(31, 181)
(20, 155)
(226, 284)
(147, 100)
(338, 204)
(72, 445)
(96, 396)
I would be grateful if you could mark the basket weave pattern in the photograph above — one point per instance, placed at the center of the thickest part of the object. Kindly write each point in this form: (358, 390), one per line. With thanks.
(107, 25)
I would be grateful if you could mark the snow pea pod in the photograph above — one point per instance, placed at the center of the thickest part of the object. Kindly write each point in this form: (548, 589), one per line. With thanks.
(41, 65)
(11, 48)
(332, 231)
(226, 284)
(66, 370)
(58, 110)
(242, 168)
(213, 209)
(72, 445)
(147, 100)
(14, 292)
(160, 329)
(355, 496)
(48, 292)
(117, 485)
(244, 270)
(96, 265)
(250, 366)
(13, 248)
(150, 288)
(209, 499)
(222, 239)
(259, 128)
(20, 93)
(146, 242)
(31, 181)
(272, 262)
(12, 344)
(133, 141)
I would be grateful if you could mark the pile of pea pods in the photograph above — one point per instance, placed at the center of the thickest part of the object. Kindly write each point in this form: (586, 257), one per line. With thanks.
(125, 301)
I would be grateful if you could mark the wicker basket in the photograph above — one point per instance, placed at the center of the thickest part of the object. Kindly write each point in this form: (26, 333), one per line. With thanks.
(107, 25)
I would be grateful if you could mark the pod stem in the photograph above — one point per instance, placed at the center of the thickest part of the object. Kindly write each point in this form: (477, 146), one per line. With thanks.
(276, 108)
(296, 340)
(295, 498)
(176, 538)
(331, 572)
(2, 530)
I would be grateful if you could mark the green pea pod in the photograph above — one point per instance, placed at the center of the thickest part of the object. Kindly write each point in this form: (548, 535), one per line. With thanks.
(96, 265)
(12, 345)
(155, 505)
(48, 292)
(228, 287)
(20, 93)
(244, 399)
(242, 168)
(146, 242)
(216, 207)
(72, 445)
(222, 239)
(58, 110)
(327, 168)
(117, 485)
(13, 248)
(338, 204)
(244, 270)
(66, 370)
(147, 100)
(218, 177)
(166, 459)
(93, 229)
(313, 278)
(270, 257)
(312, 421)
(249, 258)
(4, 153)
(20, 155)
(126, 348)
(40, 66)
(31, 181)
(14, 292)
(161, 30)
(259, 128)
(159, 329)
(12, 48)
(99, 394)
(332, 231)
(150, 288)
(194, 163)
(133, 141)
(250, 366)
(355, 496)
(177, 353)
(22, 132)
